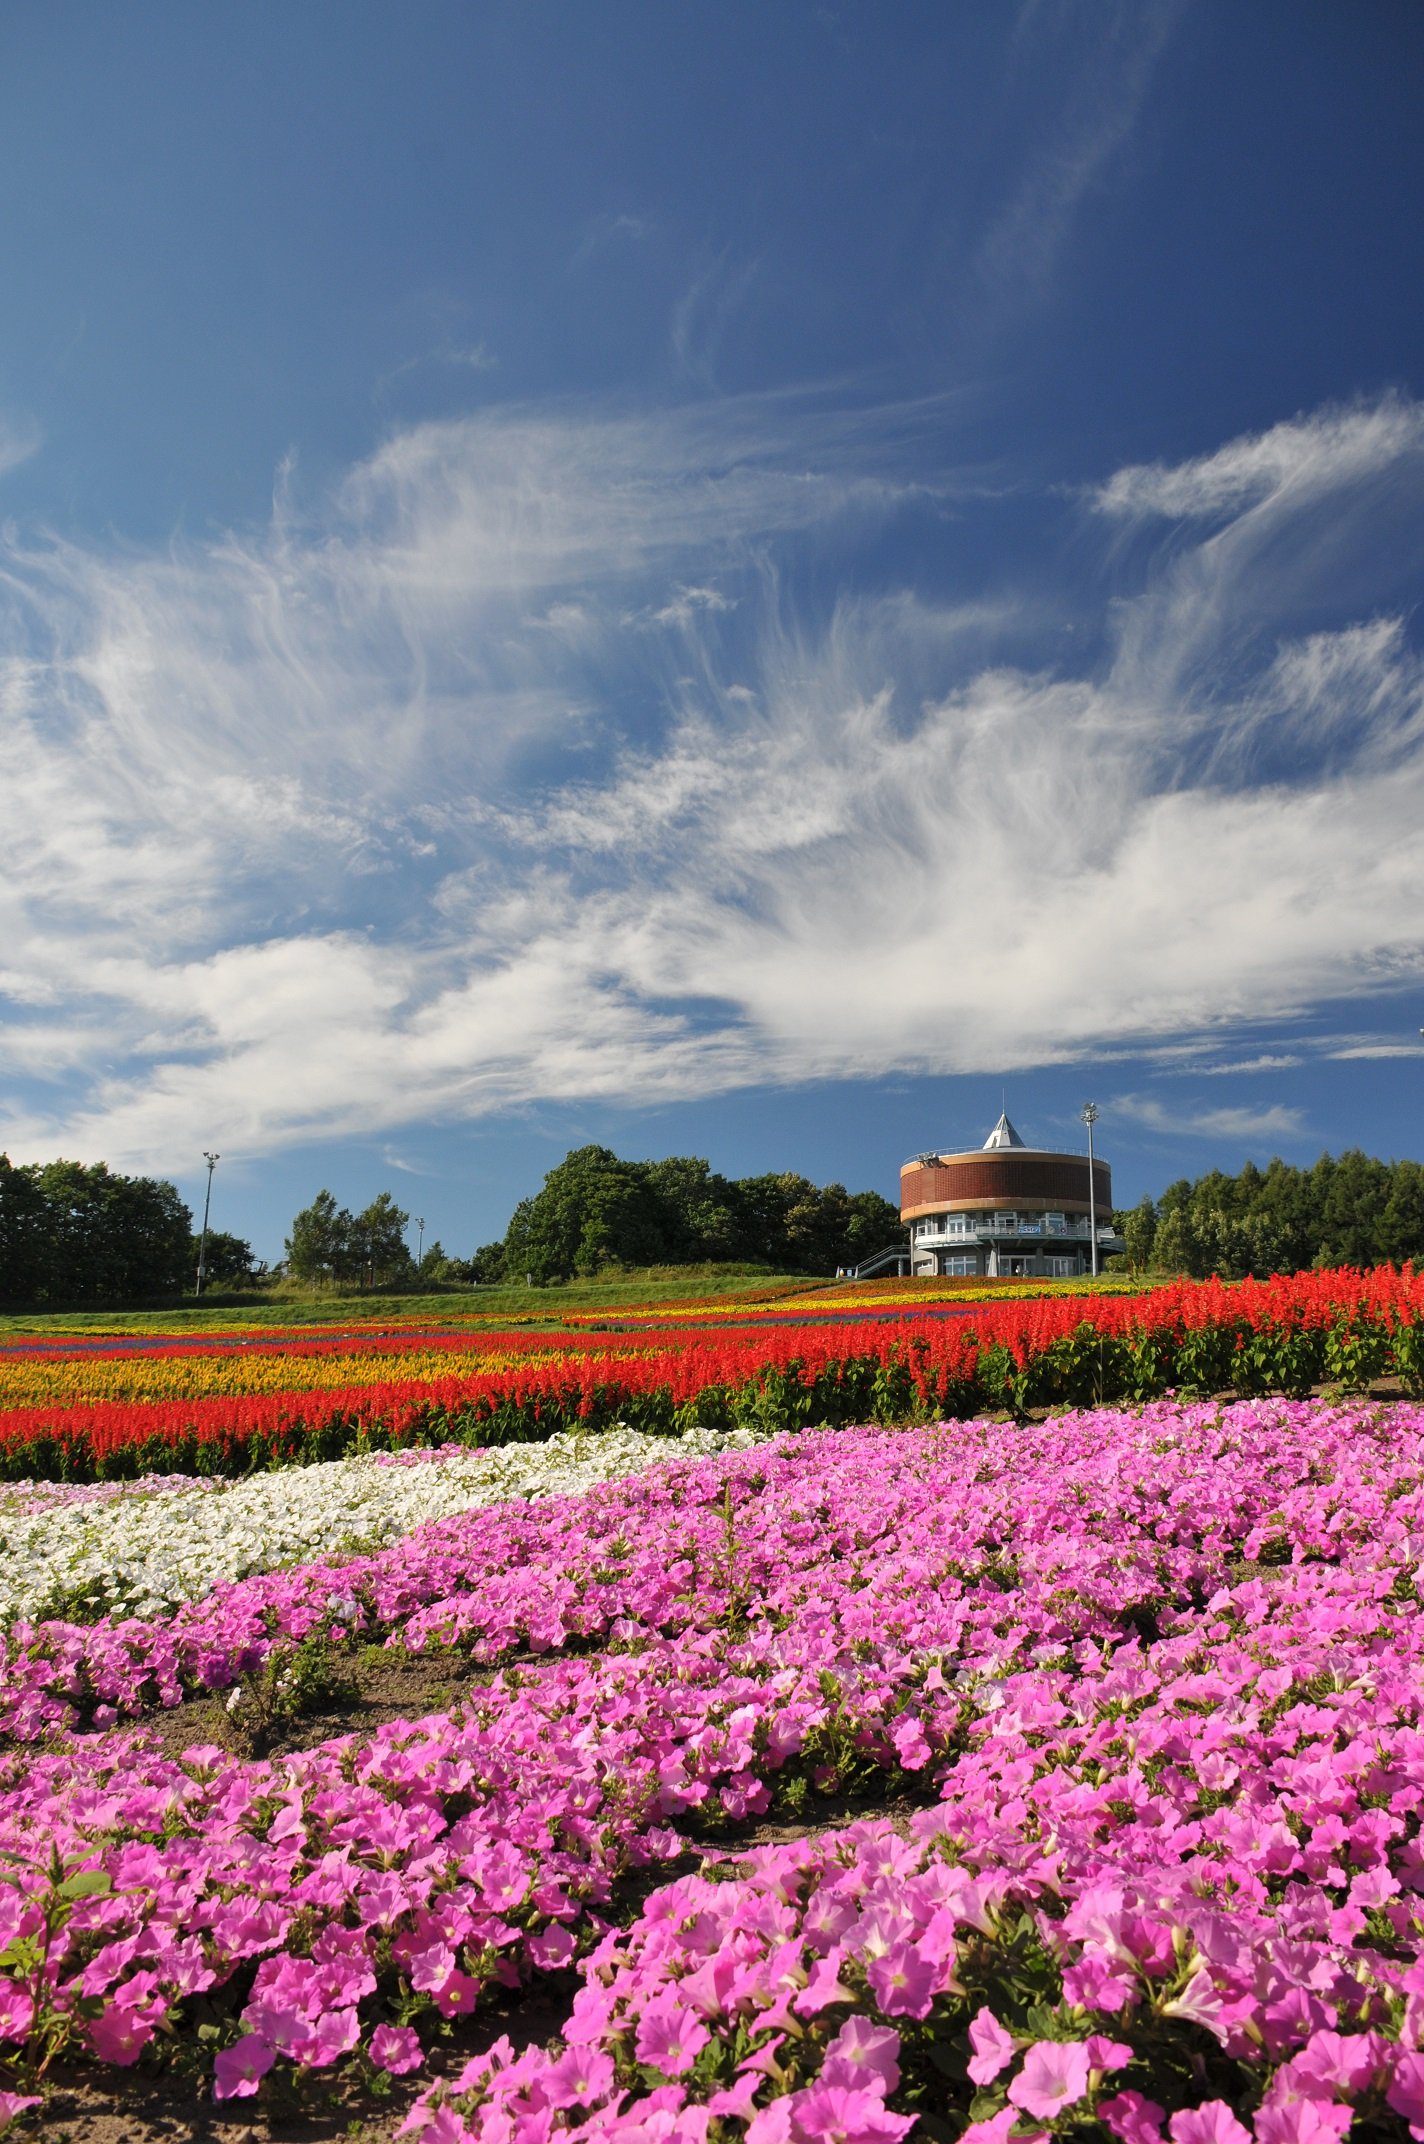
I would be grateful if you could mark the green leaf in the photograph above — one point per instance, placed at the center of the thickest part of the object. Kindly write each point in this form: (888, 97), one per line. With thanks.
(87, 1883)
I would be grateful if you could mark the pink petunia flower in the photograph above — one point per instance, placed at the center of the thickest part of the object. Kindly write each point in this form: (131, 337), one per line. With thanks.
(1302, 2121)
(863, 2054)
(1132, 2117)
(239, 2070)
(578, 2078)
(120, 2035)
(993, 2047)
(902, 1982)
(669, 2037)
(1211, 2123)
(17, 2011)
(831, 2114)
(1405, 2093)
(1054, 2076)
(396, 2048)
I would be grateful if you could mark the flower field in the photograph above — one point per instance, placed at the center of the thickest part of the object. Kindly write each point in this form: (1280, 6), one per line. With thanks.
(232, 1404)
(1127, 1706)
(1055, 1774)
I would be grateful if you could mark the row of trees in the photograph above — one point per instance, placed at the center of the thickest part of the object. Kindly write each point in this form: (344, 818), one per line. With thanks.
(595, 1210)
(330, 1243)
(77, 1233)
(72, 1233)
(1353, 1210)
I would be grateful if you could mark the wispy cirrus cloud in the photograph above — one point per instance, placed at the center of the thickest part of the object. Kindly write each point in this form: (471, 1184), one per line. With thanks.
(1107, 70)
(382, 815)
(1307, 456)
(20, 438)
(1274, 1122)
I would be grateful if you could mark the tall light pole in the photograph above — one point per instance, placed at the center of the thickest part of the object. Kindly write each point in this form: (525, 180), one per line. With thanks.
(420, 1240)
(1090, 1118)
(212, 1161)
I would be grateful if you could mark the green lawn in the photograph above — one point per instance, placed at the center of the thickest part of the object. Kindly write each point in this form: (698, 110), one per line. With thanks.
(547, 1306)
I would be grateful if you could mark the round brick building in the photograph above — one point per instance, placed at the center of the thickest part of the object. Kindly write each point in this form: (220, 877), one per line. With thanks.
(1006, 1209)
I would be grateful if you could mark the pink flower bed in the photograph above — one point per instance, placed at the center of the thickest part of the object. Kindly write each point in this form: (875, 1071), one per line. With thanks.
(1170, 1883)
(951, 1535)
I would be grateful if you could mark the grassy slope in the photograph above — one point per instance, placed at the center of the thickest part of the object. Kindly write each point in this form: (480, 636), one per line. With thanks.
(545, 1306)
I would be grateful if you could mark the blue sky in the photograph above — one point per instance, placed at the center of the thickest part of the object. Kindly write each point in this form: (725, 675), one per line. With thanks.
(722, 579)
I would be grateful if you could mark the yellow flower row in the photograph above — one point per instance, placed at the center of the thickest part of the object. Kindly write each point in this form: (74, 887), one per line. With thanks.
(31, 1383)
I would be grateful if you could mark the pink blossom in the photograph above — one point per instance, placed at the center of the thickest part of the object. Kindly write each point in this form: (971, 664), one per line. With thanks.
(577, 2078)
(669, 2037)
(1211, 2123)
(995, 2130)
(834, 2114)
(1405, 2092)
(1135, 2119)
(239, 2069)
(396, 2048)
(902, 1982)
(1054, 2076)
(1302, 2121)
(17, 2011)
(120, 2034)
(994, 2048)
(863, 2054)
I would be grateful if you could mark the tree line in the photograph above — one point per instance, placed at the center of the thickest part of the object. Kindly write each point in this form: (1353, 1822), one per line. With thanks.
(1348, 1211)
(79, 1233)
(76, 1234)
(596, 1210)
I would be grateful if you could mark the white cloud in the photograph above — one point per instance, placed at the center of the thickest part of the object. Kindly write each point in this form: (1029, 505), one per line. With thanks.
(1264, 1063)
(1378, 1049)
(1106, 78)
(1277, 1122)
(20, 438)
(1307, 456)
(294, 846)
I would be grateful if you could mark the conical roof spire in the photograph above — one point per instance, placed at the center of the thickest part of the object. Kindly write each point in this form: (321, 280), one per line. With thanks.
(1003, 1134)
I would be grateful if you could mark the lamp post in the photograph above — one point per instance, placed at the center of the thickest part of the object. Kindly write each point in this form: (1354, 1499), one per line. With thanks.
(1090, 1118)
(420, 1240)
(212, 1161)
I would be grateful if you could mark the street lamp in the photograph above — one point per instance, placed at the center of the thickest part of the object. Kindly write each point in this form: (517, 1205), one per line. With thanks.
(212, 1161)
(420, 1241)
(1090, 1118)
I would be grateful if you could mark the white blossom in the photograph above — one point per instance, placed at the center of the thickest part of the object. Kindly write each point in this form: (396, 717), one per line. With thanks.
(138, 1548)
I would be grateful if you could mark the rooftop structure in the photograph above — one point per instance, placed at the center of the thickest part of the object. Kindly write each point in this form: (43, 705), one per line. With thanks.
(1006, 1209)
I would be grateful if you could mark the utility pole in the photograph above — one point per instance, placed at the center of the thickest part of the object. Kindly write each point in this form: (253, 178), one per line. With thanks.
(420, 1240)
(1090, 1118)
(212, 1161)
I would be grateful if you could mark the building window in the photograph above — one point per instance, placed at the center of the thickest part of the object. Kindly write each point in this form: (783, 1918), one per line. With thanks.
(960, 1267)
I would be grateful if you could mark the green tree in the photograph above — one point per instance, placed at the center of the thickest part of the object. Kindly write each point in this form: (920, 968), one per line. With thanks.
(1139, 1230)
(227, 1260)
(25, 1235)
(1175, 1248)
(376, 1250)
(484, 1269)
(1402, 1222)
(112, 1238)
(319, 1247)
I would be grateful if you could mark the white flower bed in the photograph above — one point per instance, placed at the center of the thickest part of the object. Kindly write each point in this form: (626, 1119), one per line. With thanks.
(141, 1547)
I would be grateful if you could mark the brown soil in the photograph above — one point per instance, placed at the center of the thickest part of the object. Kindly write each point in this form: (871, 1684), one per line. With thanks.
(84, 2106)
(388, 1686)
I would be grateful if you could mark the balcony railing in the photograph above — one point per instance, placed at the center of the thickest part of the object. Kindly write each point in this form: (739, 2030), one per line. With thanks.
(991, 1229)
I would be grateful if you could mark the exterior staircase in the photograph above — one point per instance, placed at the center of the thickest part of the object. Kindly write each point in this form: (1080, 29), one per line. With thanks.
(894, 1254)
